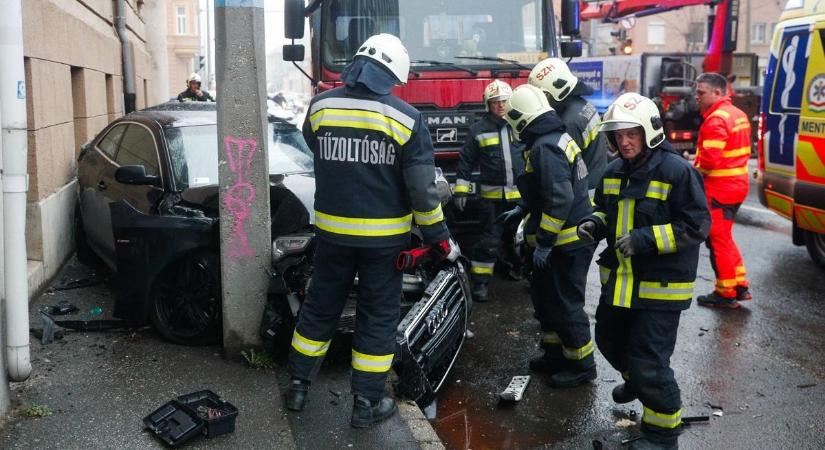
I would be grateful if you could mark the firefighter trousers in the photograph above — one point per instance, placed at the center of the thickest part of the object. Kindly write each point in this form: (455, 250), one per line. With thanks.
(639, 343)
(377, 314)
(725, 257)
(557, 292)
(486, 250)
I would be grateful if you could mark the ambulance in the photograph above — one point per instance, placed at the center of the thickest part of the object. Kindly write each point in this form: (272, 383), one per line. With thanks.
(791, 146)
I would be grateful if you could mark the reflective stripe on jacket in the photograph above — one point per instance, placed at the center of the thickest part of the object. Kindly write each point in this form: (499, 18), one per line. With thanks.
(581, 121)
(723, 151)
(663, 207)
(490, 145)
(374, 169)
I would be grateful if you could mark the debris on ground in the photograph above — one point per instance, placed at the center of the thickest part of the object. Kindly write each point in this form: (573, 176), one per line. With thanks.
(597, 444)
(713, 406)
(36, 411)
(704, 329)
(625, 423)
(515, 390)
(62, 308)
(94, 325)
(76, 284)
(718, 413)
(805, 386)
(695, 419)
(629, 440)
(47, 333)
(187, 416)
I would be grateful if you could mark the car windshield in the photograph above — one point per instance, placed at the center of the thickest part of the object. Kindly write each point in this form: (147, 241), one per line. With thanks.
(193, 152)
(479, 33)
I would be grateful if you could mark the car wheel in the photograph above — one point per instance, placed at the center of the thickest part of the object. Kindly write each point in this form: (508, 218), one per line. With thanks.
(816, 247)
(185, 301)
(85, 254)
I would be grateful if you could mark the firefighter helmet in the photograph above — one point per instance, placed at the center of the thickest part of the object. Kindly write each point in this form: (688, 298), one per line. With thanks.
(496, 91)
(632, 110)
(388, 51)
(553, 77)
(526, 103)
(193, 77)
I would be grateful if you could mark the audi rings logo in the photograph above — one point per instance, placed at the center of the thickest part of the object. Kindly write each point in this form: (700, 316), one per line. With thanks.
(436, 317)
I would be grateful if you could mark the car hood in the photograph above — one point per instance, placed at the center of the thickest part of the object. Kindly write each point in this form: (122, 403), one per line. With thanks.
(291, 198)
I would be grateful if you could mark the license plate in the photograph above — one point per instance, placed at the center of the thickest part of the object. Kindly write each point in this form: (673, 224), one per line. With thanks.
(472, 188)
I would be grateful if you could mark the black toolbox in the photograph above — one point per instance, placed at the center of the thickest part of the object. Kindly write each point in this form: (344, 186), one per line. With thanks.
(202, 412)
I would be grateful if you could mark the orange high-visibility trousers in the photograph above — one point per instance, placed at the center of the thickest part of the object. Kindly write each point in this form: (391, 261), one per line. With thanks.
(724, 253)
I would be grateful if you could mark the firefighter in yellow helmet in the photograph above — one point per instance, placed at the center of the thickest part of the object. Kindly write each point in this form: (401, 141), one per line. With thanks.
(490, 146)
(651, 209)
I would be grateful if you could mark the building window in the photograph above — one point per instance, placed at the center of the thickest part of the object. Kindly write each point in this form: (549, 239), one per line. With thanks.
(180, 16)
(758, 33)
(697, 32)
(656, 33)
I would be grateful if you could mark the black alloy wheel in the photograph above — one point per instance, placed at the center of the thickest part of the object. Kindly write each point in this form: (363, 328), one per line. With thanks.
(816, 247)
(186, 300)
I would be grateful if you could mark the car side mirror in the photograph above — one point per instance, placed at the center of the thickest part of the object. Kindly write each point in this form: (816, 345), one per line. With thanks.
(136, 175)
(294, 19)
(293, 52)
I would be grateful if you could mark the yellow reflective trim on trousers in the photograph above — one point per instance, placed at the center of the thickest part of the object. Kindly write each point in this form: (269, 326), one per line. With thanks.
(371, 363)
(665, 239)
(566, 236)
(362, 226)
(726, 283)
(550, 224)
(654, 290)
(658, 190)
(725, 172)
(482, 268)
(307, 346)
(611, 186)
(578, 353)
(623, 289)
(661, 420)
(552, 338)
(501, 194)
(489, 141)
(714, 144)
(738, 152)
(601, 216)
(604, 275)
(429, 217)
(369, 120)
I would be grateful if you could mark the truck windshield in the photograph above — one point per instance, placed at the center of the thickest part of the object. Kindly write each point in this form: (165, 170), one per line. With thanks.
(483, 32)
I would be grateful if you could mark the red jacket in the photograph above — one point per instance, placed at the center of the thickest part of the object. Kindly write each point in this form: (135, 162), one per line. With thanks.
(724, 149)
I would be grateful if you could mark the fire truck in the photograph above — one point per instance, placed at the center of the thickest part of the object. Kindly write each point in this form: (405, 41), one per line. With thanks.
(791, 147)
(456, 48)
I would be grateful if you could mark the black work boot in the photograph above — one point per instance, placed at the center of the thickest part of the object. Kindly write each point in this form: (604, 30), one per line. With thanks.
(480, 292)
(551, 361)
(575, 373)
(743, 294)
(296, 395)
(624, 394)
(645, 443)
(714, 300)
(366, 413)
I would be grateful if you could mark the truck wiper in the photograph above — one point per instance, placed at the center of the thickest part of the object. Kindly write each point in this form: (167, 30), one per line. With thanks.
(444, 63)
(496, 59)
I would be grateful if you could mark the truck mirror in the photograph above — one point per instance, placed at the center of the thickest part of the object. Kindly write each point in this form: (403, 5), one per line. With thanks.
(293, 52)
(571, 48)
(293, 21)
(570, 18)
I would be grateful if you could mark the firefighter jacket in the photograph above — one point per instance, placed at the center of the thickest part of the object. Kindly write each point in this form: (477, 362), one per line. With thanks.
(581, 121)
(553, 185)
(189, 96)
(490, 144)
(374, 169)
(662, 205)
(724, 148)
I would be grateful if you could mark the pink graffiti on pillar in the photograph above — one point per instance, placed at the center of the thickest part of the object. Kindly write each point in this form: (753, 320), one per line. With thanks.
(239, 196)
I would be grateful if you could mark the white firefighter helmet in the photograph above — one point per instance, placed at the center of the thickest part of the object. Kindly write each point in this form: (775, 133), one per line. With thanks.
(388, 51)
(632, 110)
(496, 91)
(193, 77)
(526, 103)
(553, 77)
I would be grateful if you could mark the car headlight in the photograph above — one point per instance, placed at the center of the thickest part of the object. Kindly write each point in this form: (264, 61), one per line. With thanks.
(289, 244)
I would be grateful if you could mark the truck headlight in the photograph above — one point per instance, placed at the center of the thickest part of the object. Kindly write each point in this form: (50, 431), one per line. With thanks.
(289, 244)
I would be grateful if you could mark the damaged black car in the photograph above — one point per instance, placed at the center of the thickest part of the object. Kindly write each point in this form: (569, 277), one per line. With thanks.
(148, 208)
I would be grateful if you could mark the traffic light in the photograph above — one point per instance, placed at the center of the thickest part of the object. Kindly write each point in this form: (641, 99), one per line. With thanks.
(201, 62)
(627, 47)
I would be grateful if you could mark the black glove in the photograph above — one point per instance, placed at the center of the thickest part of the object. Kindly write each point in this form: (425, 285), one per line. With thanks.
(624, 244)
(586, 231)
(541, 257)
(507, 215)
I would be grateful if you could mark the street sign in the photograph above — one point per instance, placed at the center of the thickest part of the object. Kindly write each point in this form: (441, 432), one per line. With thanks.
(628, 23)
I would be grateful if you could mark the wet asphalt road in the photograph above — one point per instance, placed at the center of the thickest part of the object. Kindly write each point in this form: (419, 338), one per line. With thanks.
(763, 364)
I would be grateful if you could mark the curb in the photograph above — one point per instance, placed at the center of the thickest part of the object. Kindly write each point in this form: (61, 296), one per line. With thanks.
(419, 426)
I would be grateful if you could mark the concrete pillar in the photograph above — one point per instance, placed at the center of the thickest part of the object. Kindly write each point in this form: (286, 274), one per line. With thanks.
(244, 175)
(154, 15)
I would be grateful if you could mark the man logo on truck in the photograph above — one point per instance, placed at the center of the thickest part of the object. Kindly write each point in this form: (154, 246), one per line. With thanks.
(446, 120)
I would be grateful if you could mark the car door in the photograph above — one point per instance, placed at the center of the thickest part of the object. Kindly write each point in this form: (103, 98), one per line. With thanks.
(96, 169)
(137, 147)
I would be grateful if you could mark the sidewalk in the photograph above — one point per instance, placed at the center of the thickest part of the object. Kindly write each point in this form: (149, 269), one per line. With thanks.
(100, 385)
